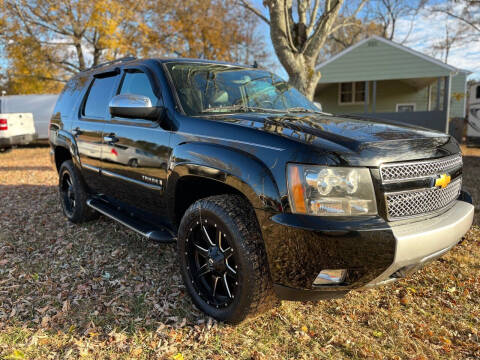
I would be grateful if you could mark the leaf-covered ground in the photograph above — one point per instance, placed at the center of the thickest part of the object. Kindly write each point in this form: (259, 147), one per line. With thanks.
(100, 291)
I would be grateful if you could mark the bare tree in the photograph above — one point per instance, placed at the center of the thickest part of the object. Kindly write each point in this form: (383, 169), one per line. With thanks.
(462, 25)
(453, 35)
(467, 12)
(298, 31)
(347, 36)
(387, 13)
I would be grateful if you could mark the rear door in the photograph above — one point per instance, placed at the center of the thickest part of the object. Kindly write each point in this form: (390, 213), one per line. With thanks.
(136, 151)
(88, 127)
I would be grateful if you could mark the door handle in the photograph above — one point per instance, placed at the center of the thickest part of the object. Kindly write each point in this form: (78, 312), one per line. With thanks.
(76, 131)
(110, 138)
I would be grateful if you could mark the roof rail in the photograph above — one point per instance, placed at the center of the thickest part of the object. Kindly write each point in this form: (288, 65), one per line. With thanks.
(123, 59)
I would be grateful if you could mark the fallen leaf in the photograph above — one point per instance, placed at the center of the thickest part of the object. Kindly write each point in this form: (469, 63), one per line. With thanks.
(45, 321)
(404, 300)
(445, 340)
(43, 310)
(66, 306)
(136, 351)
(16, 354)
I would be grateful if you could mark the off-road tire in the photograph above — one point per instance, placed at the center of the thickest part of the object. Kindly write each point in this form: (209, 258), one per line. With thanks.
(81, 212)
(254, 292)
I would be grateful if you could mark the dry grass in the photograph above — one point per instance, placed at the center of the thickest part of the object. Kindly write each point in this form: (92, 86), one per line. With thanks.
(100, 291)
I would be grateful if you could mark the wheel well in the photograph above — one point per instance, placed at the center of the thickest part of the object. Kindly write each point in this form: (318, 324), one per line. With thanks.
(61, 155)
(203, 187)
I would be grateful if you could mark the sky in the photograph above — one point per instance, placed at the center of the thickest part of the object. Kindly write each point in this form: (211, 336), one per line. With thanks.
(427, 29)
(430, 27)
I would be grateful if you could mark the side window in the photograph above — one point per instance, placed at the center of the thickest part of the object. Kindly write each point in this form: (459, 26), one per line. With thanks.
(138, 83)
(67, 99)
(99, 96)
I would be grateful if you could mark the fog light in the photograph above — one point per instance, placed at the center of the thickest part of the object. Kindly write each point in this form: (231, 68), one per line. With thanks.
(329, 276)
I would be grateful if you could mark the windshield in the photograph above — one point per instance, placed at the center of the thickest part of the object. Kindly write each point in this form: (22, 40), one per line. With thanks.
(216, 88)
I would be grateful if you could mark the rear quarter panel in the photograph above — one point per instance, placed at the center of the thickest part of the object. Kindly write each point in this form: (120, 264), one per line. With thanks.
(18, 124)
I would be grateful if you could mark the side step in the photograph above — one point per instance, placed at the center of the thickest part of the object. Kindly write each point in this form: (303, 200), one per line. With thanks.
(158, 234)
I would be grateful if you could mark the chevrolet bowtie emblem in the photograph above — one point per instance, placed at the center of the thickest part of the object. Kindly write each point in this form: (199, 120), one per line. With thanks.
(443, 181)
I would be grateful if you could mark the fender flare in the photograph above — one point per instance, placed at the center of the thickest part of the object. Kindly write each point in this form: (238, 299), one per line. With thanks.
(67, 140)
(227, 165)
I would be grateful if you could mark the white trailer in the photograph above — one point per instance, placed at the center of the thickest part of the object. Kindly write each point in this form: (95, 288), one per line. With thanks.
(41, 106)
(473, 116)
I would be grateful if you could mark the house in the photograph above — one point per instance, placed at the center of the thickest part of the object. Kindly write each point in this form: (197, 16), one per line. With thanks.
(381, 79)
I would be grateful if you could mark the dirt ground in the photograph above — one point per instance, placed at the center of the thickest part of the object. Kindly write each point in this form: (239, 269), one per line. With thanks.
(99, 291)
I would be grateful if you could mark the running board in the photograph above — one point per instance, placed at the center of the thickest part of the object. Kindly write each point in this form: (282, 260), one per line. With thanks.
(158, 234)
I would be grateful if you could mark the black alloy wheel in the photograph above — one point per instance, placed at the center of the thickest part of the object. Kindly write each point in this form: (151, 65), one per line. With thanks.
(211, 263)
(223, 260)
(68, 193)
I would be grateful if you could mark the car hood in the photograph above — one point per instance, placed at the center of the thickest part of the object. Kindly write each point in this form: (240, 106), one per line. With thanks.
(357, 140)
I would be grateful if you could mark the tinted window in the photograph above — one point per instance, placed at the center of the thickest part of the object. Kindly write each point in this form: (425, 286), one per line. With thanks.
(99, 96)
(478, 92)
(137, 83)
(69, 95)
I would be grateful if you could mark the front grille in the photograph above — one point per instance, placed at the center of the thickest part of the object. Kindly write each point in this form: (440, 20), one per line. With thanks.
(419, 169)
(412, 203)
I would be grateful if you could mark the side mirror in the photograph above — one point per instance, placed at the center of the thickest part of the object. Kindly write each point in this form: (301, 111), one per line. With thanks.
(134, 107)
(318, 105)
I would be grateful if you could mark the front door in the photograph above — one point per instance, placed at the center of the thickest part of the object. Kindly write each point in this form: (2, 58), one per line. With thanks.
(136, 151)
(88, 127)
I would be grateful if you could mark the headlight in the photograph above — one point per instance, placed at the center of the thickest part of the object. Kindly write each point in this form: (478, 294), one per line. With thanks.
(330, 191)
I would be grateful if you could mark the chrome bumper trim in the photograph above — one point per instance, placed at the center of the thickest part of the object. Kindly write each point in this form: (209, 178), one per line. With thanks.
(424, 241)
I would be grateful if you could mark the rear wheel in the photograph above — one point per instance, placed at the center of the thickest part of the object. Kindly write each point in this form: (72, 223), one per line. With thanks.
(5, 149)
(223, 260)
(133, 163)
(73, 194)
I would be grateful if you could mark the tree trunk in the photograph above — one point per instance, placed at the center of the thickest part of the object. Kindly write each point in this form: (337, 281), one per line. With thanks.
(301, 72)
(80, 57)
(305, 79)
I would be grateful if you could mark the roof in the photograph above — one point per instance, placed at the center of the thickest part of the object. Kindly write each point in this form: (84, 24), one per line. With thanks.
(425, 60)
(134, 61)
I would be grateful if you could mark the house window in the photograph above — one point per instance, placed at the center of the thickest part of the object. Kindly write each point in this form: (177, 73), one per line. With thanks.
(405, 107)
(351, 93)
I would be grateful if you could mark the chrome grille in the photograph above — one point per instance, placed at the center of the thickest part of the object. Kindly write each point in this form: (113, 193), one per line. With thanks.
(412, 203)
(419, 169)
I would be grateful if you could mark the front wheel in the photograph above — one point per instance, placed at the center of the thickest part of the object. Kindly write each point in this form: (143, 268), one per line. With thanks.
(223, 260)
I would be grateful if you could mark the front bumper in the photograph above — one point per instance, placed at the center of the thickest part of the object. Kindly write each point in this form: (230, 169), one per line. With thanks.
(422, 242)
(373, 251)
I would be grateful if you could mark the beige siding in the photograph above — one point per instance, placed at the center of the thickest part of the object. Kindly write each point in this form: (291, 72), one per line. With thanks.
(376, 60)
(389, 94)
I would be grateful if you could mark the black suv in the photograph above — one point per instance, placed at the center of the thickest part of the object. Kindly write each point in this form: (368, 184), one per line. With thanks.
(267, 197)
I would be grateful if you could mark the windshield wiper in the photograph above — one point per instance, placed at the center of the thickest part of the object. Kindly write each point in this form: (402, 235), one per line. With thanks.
(300, 109)
(260, 109)
(226, 108)
(243, 108)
